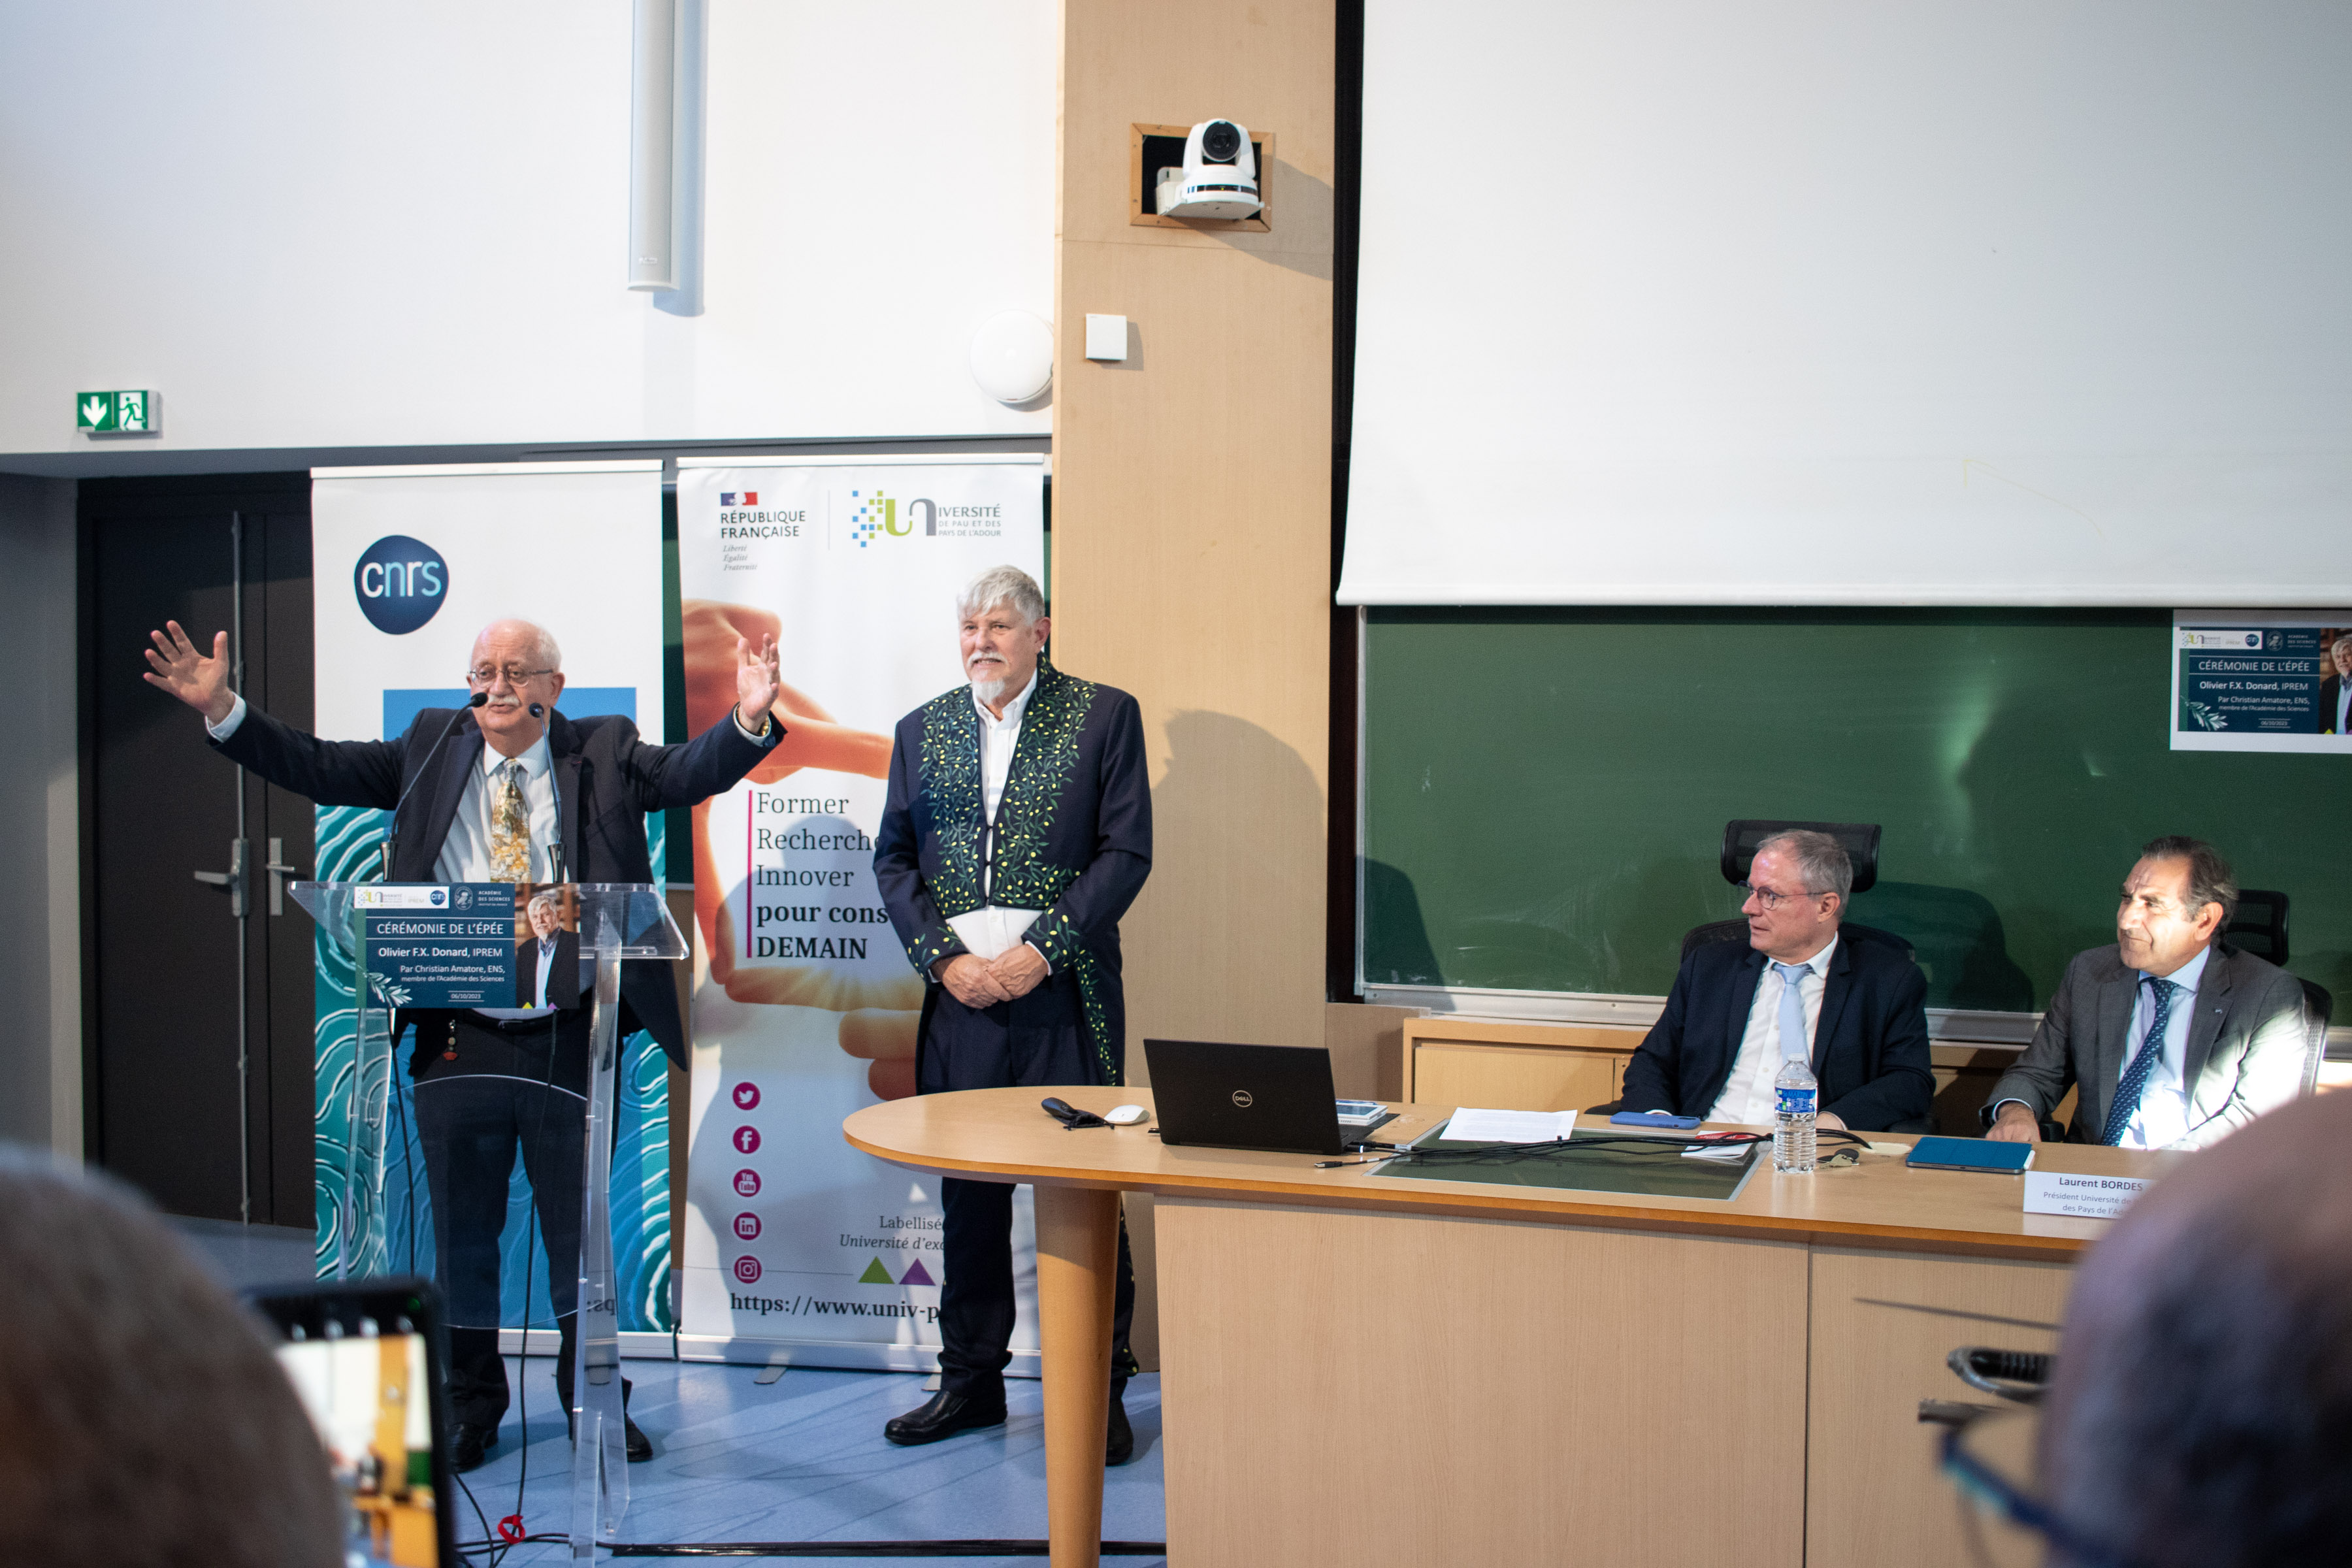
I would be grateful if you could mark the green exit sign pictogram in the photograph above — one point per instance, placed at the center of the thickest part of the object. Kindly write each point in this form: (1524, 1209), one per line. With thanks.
(114, 412)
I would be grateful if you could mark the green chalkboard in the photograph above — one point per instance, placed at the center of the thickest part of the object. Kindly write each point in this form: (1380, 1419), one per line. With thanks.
(1546, 790)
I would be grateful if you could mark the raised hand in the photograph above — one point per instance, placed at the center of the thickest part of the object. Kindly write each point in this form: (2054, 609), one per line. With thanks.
(757, 680)
(202, 683)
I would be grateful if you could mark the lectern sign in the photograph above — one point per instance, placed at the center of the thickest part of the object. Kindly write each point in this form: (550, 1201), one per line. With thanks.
(432, 945)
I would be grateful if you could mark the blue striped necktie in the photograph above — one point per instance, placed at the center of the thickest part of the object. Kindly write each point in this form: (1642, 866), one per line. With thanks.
(1794, 1046)
(2136, 1074)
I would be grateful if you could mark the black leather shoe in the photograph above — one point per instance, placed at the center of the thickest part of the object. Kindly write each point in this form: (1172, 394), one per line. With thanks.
(469, 1445)
(638, 1447)
(1119, 1443)
(945, 1415)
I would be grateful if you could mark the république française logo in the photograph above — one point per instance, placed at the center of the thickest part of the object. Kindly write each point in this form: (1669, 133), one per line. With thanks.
(400, 583)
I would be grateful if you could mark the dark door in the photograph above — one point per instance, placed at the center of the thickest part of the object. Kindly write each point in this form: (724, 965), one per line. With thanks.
(171, 987)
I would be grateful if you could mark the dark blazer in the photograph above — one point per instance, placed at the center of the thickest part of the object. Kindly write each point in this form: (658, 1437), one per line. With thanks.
(562, 978)
(1073, 839)
(1870, 1047)
(606, 780)
(2328, 690)
(2245, 1051)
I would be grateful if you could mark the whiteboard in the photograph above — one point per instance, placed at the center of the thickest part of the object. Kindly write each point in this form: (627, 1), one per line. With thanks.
(1833, 302)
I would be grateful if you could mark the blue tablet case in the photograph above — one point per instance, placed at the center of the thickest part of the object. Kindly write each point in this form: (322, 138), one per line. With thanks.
(1970, 1154)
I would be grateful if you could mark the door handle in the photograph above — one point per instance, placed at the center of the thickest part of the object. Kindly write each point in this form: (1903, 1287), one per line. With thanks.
(231, 882)
(277, 875)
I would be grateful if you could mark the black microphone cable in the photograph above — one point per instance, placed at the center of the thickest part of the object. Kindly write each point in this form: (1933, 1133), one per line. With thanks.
(1486, 1154)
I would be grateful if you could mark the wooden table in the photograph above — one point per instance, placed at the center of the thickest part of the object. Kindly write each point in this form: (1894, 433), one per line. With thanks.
(1443, 1371)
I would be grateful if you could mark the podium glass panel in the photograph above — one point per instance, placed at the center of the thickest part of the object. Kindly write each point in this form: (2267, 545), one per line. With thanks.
(617, 920)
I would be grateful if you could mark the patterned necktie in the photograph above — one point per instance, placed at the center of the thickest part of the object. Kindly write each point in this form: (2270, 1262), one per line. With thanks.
(1794, 1046)
(509, 827)
(2136, 1075)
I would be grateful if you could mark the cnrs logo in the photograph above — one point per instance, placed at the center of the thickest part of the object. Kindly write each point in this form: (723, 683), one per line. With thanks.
(400, 583)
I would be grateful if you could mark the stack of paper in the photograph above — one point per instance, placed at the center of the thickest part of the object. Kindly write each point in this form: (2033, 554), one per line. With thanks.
(1509, 1126)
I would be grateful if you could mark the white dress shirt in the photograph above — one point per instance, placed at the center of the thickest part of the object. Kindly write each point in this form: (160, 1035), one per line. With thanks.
(2162, 1117)
(993, 929)
(1747, 1096)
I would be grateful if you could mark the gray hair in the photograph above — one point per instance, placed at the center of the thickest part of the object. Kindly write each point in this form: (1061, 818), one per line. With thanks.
(1002, 585)
(2344, 641)
(543, 645)
(2211, 878)
(554, 904)
(1821, 861)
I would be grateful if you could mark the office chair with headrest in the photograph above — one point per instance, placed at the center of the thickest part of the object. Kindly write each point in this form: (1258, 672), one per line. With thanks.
(2318, 1008)
(2258, 925)
(1740, 839)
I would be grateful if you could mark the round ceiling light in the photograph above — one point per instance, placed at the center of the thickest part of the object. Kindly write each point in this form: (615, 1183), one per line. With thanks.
(1013, 356)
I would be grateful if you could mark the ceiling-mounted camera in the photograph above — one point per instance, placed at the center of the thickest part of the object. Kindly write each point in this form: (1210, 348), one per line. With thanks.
(1219, 178)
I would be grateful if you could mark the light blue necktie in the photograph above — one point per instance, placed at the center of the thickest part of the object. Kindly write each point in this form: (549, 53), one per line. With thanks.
(1794, 1046)
(2136, 1074)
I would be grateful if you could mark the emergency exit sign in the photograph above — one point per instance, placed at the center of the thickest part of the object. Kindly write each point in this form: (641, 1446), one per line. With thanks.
(114, 412)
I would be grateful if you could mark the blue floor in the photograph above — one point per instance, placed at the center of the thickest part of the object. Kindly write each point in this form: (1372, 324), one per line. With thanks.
(802, 1458)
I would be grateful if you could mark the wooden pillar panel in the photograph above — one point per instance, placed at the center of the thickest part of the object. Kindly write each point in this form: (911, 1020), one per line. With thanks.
(1191, 502)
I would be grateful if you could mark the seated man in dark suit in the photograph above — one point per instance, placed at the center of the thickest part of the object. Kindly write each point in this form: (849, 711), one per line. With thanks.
(2176, 1040)
(1855, 1008)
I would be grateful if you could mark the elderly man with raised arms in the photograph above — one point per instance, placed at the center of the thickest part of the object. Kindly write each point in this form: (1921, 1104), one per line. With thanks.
(514, 782)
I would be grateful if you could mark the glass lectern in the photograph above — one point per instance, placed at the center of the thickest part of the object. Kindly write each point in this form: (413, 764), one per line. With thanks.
(617, 920)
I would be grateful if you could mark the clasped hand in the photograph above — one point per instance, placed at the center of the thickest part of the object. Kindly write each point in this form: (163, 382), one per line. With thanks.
(978, 982)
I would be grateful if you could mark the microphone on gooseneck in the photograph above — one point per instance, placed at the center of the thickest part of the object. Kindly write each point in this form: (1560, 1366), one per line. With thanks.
(391, 835)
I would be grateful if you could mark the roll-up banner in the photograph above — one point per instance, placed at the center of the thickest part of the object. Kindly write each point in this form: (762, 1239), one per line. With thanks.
(410, 563)
(799, 1248)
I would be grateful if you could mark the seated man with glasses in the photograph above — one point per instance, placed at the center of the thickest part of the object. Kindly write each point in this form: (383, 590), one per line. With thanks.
(1856, 1010)
(507, 789)
(2174, 1038)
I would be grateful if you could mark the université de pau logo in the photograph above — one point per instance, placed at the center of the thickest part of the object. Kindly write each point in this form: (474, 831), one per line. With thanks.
(875, 515)
(400, 583)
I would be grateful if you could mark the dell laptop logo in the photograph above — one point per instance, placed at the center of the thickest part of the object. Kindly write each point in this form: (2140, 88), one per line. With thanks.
(1243, 1099)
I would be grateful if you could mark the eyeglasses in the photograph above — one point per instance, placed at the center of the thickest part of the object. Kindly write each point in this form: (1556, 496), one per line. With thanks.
(483, 675)
(1980, 1482)
(1768, 898)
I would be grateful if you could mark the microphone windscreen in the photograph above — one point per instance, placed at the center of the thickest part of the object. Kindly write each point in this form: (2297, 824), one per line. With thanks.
(537, 712)
(477, 699)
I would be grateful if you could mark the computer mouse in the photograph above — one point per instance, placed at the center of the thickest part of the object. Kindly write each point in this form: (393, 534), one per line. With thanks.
(1125, 1115)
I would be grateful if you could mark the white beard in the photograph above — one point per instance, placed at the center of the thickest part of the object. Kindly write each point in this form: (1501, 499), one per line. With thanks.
(993, 691)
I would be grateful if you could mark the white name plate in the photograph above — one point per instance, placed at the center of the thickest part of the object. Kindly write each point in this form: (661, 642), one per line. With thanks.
(2084, 1197)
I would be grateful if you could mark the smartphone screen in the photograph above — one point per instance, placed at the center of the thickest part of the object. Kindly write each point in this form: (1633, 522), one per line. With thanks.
(361, 1355)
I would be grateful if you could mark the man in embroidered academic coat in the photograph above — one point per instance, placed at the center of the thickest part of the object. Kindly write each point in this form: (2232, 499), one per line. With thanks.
(1017, 832)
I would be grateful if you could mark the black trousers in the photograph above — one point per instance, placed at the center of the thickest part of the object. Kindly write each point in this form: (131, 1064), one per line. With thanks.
(484, 1096)
(976, 1296)
(1037, 1040)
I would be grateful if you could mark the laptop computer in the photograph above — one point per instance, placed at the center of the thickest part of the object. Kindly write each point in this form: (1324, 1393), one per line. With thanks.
(1221, 1096)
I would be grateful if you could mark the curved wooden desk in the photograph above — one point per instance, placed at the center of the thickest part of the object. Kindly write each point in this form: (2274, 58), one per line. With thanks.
(1464, 1372)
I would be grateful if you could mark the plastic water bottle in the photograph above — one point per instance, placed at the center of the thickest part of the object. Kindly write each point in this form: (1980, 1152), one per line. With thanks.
(1795, 1096)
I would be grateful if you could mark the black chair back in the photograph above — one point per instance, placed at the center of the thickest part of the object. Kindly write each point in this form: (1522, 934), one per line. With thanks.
(1860, 838)
(2318, 1007)
(2258, 925)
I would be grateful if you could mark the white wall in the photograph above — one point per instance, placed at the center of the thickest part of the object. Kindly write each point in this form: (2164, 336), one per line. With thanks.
(40, 856)
(317, 226)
